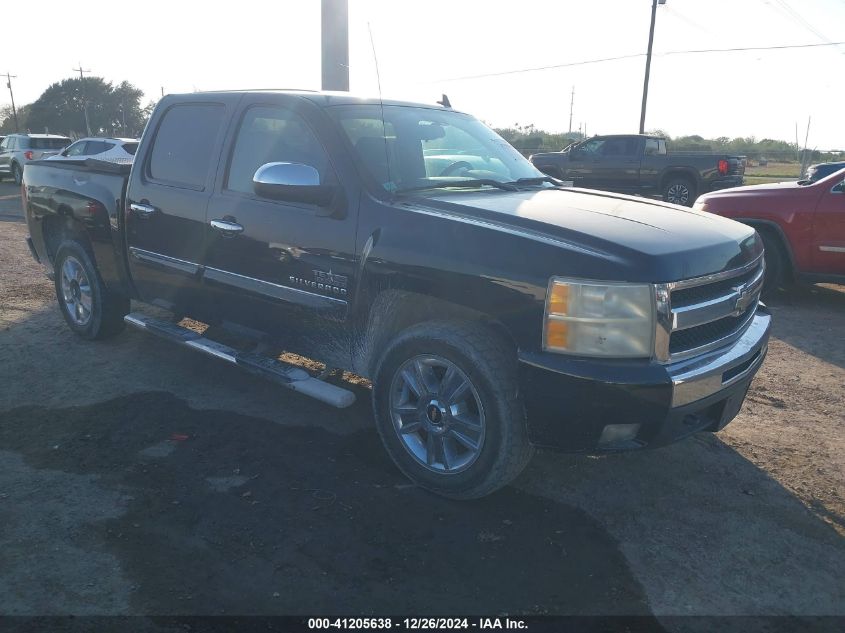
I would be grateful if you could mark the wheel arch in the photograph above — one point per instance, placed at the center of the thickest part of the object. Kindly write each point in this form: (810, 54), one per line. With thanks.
(773, 228)
(680, 172)
(62, 226)
(393, 311)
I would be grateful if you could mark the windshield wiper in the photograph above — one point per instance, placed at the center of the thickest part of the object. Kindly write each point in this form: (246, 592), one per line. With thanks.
(464, 184)
(537, 180)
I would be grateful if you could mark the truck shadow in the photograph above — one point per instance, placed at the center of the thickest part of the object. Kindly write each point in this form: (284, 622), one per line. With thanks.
(238, 515)
(816, 318)
(240, 497)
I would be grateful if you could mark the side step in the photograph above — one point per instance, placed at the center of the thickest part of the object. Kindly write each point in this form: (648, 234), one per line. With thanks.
(284, 374)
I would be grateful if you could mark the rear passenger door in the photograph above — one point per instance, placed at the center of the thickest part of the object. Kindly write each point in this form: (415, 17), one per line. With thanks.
(168, 195)
(287, 268)
(618, 166)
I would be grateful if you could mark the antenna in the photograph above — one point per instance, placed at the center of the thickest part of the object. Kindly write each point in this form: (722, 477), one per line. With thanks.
(381, 104)
(445, 101)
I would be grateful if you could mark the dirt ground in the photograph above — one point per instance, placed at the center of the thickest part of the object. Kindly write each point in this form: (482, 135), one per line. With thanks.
(138, 478)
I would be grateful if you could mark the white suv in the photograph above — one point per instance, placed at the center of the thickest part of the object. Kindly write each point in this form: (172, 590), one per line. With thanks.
(17, 150)
(117, 150)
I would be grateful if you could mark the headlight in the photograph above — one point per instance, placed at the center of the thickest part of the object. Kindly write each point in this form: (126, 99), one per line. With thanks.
(599, 319)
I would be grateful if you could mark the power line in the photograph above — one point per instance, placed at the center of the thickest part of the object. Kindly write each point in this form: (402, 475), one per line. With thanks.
(84, 101)
(800, 18)
(634, 56)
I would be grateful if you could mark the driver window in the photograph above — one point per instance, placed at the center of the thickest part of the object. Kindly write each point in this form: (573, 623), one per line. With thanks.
(270, 134)
(592, 147)
(77, 149)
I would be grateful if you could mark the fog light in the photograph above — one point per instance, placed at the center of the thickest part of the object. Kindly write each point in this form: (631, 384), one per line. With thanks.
(616, 433)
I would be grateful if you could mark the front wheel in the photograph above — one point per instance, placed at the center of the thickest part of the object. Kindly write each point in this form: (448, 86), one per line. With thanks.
(679, 191)
(448, 410)
(777, 264)
(89, 308)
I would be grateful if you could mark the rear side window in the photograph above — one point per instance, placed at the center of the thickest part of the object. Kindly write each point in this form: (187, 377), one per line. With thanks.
(182, 151)
(97, 147)
(654, 146)
(48, 143)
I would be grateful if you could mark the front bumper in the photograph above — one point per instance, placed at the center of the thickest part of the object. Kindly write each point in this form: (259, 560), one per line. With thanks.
(726, 183)
(570, 402)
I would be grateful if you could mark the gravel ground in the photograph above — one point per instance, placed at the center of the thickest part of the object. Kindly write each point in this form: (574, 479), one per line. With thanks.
(137, 478)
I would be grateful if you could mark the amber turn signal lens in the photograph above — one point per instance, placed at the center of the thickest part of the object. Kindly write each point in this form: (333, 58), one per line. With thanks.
(557, 334)
(559, 299)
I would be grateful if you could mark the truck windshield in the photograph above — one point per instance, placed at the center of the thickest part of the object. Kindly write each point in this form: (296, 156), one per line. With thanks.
(413, 149)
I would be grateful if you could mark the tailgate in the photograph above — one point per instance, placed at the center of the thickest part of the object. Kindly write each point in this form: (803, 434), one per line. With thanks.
(736, 165)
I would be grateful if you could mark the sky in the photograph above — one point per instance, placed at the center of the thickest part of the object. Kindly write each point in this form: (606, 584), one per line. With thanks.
(429, 47)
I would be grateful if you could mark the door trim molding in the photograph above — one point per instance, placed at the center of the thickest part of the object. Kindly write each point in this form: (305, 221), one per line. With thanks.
(272, 290)
(171, 263)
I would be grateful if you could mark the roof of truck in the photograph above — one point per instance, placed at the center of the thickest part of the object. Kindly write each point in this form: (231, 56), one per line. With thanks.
(329, 98)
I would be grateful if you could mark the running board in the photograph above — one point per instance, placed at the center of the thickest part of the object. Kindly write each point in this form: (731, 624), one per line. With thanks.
(284, 374)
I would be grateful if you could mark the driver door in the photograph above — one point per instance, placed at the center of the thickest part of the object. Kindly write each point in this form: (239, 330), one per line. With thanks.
(273, 265)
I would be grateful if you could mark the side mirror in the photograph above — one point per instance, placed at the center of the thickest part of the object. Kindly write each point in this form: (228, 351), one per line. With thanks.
(292, 182)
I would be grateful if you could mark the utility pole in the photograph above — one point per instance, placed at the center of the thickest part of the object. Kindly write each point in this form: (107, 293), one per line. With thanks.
(84, 101)
(654, 4)
(12, 95)
(334, 21)
(571, 104)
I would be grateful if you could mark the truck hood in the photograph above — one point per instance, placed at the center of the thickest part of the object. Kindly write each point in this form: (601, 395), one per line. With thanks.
(639, 239)
(772, 188)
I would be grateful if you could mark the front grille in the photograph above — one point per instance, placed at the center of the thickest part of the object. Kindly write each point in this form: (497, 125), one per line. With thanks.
(711, 311)
(683, 297)
(702, 335)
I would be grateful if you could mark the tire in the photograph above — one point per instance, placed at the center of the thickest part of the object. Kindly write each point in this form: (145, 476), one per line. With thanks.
(17, 174)
(777, 264)
(88, 307)
(467, 376)
(679, 191)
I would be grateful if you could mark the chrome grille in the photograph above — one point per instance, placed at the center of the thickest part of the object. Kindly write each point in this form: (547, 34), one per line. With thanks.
(697, 315)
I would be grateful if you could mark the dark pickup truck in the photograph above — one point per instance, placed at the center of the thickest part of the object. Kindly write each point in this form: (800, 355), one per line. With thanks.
(492, 309)
(640, 164)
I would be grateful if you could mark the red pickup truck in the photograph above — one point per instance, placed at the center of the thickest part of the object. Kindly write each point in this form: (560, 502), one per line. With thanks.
(802, 225)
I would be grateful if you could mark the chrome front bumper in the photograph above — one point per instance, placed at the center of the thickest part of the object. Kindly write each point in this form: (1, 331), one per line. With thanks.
(706, 375)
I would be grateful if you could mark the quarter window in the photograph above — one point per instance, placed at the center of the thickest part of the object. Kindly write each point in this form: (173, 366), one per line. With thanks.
(183, 149)
(271, 134)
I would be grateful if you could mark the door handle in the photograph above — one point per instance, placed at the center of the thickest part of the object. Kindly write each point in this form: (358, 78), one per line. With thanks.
(226, 227)
(143, 210)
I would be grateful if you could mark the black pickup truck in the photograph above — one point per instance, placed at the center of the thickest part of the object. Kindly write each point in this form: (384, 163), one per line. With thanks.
(640, 164)
(492, 309)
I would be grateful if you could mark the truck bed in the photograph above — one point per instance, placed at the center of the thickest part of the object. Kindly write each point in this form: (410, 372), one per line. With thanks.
(90, 191)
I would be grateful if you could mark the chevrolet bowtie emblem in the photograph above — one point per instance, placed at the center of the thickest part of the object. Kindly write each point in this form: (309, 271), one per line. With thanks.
(744, 299)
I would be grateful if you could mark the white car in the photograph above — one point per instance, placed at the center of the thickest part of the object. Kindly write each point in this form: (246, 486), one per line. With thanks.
(110, 149)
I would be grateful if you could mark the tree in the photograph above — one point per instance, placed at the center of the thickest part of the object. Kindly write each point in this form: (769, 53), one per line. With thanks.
(112, 110)
(7, 119)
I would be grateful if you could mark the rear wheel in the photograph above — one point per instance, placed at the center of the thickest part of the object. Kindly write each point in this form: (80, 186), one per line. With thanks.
(679, 191)
(17, 173)
(87, 305)
(448, 411)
